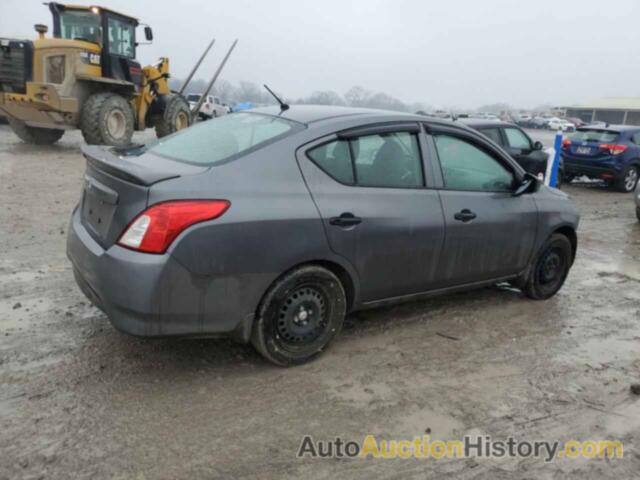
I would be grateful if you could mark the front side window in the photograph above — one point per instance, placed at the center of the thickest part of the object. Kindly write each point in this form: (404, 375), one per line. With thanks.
(211, 143)
(467, 167)
(390, 160)
(121, 38)
(517, 139)
(80, 25)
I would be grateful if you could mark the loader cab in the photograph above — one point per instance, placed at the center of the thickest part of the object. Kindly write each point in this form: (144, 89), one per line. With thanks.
(113, 32)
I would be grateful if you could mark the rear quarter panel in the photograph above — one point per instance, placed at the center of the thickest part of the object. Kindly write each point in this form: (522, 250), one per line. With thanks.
(271, 226)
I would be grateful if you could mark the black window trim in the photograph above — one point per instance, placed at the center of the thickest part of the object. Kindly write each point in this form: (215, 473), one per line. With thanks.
(476, 140)
(368, 130)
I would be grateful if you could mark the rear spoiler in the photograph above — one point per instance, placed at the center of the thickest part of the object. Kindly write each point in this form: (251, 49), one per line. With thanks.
(143, 170)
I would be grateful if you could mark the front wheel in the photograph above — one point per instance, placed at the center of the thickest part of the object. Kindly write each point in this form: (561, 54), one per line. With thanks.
(107, 119)
(628, 181)
(299, 316)
(550, 268)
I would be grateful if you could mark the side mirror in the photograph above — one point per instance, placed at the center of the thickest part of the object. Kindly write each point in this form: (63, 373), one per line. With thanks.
(529, 184)
(538, 146)
(148, 33)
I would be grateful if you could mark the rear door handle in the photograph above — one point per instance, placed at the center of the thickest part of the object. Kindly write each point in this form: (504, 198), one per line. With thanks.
(346, 219)
(465, 215)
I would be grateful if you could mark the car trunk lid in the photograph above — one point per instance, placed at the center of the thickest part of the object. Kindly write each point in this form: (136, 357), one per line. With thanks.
(116, 188)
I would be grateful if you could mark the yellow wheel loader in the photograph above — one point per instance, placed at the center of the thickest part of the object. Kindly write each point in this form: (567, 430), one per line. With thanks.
(87, 77)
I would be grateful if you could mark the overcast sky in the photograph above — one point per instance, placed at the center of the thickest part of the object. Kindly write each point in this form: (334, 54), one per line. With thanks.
(454, 53)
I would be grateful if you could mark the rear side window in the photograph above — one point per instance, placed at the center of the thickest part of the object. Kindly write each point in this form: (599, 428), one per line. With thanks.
(387, 160)
(219, 140)
(334, 158)
(493, 134)
(594, 135)
(467, 167)
(517, 139)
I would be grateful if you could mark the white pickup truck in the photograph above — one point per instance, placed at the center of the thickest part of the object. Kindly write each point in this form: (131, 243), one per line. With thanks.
(212, 106)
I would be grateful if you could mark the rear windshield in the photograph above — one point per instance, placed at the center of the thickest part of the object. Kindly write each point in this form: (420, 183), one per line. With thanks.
(594, 135)
(221, 139)
(193, 97)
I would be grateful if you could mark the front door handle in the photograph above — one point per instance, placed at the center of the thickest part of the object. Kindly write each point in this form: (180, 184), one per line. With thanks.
(465, 215)
(346, 219)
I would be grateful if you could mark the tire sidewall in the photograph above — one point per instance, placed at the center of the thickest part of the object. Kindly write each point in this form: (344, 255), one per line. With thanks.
(116, 103)
(622, 182)
(265, 335)
(542, 292)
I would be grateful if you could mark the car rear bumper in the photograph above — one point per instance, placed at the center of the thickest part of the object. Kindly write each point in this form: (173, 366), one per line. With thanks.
(590, 169)
(153, 295)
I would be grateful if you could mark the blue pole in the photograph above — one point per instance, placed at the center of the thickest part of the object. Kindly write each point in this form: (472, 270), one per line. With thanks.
(557, 146)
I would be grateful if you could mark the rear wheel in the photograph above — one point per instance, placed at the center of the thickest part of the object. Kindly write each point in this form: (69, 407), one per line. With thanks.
(299, 316)
(107, 119)
(550, 268)
(34, 135)
(628, 180)
(175, 115)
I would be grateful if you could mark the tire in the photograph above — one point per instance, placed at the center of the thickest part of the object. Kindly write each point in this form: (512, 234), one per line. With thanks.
(175, 115)
(35, 135)
(628, 180)
(550, 268)
(107, 119)
(281, 334)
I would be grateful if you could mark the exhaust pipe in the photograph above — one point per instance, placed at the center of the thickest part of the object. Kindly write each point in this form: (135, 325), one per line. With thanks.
(197, 65)
(214, 78)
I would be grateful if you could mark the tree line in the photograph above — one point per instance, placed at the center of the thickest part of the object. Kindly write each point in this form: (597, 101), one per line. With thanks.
(251, 92)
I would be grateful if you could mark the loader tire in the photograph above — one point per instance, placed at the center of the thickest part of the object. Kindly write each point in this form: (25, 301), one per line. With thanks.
(107, 119)
(175, 115)
(35, 135)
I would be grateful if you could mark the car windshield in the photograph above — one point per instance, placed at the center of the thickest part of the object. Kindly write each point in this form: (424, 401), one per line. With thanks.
(80, 24)
(193, 97)
(215, 141)
(594, 135)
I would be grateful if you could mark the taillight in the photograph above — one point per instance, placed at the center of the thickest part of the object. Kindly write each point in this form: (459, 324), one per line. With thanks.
(614, 148)
(566, 143)
(154, 229)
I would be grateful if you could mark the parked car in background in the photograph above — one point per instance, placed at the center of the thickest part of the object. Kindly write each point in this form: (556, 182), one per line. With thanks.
(515, 141)
(212, 106)
(541, 121)
(556, 124)
(484, 116)
(523, 119)
(270, 225)
(577, 121)
(610, 153)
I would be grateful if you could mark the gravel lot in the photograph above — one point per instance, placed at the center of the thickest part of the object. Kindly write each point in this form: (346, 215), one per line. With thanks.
(80, 400)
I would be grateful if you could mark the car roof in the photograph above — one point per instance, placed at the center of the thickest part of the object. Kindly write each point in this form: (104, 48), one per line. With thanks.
(318, 115)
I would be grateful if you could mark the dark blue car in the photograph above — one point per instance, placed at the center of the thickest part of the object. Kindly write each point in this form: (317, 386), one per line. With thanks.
(610, 153)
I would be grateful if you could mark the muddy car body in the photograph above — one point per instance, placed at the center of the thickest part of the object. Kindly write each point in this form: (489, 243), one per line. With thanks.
(294, 237)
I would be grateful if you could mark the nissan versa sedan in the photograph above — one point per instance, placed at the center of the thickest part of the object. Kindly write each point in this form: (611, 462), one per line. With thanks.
(270, 225)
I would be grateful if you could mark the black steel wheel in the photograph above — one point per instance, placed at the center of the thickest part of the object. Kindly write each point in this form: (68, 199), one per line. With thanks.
(299, 316)
(550, 268)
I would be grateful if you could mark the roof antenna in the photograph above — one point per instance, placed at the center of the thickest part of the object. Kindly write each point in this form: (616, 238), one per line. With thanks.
(283, 106)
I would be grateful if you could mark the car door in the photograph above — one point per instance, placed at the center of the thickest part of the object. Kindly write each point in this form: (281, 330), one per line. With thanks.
(521, 148)
(489, 232)
(369, 187)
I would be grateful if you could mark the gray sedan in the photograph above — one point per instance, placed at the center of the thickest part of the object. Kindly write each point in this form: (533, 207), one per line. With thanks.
(270, 226)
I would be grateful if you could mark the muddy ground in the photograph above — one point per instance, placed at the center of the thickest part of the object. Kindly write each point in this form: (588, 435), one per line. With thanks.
(80, 400)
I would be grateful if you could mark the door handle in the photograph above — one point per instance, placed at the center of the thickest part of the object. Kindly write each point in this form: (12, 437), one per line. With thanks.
(465, 215)
(346, 219)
